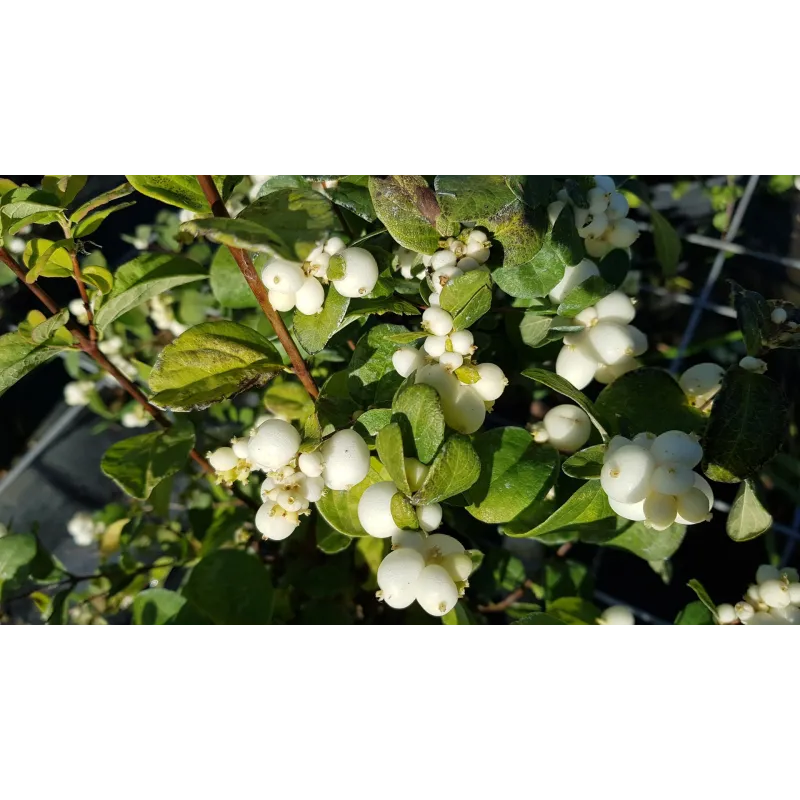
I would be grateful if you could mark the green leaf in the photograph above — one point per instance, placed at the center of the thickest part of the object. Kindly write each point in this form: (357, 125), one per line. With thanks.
(520, 230)
(107, 197)
(418, 411)
(330, 541)
(137, 465)
(156, 606)
(240, 233)
(372, 378)
(472, 197)
(48, 259)
(65, 187)
(389, 444)
(16, 216)
(532, 190)
(313, 331)
(535, 329)
(212, 362)
(407, 206)
(288, 400)
(17, 552)
(42, 332)
(539, 618)
(695, 613)
(99, 277)
(586, 510)
(565, 578)
(648, 399)
(537, 276)
(585, 464)
(467, 298)
(182, 191)
(614, 267)
(667, 243)
(19, 356)
(574, 611)
(747, 518)
(753, 314)
(458, 615)
(91, 223)
(227, 282)
(746, 427)
(702, 595)
(143, 278)
(558, 384)
(352, 193)
(515, 473)
(231, 588)
(584, 295)
(373, 421)
(340, 509)
(298, 218)
(649, 544)
(361, 308)
(403, 513)
(455, 468)
(222, 529)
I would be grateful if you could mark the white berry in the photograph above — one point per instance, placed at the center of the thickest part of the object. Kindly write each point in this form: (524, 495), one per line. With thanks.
(779, 316)
(273, 522)
(282, 276)
(435, 346)
(672, 479)
(458, 566)
(310, 464)
(677, 447)
(223, 459)
(701, 382)
(568, 427)
(274, 444)
(618, 615)
(437, 321)
(626, 474)
(615, 307)
(310, 297)
(752, 364)
(375, 510)
(281, 301)
(397, 576)
(573, 276)
(435, 590)
(775, 593)
(576, 364)
(462, 342)
(726, 614)
(492, 382)
(361, 272)
(346, 459)
(429, 517)
(406, 360)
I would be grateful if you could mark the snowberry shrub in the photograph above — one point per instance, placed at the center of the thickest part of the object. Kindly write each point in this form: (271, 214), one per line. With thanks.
(335, 374)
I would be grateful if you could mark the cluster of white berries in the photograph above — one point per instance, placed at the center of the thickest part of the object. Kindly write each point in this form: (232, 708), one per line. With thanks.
(606, 346)
(651, 479)
(701, 383)
(774, 599)
(78, 310)
(604, 225)
(83, 529)
(433, 570)
(78, 393)
(617, 615)
(445, 362)
(566, 427)
(135, 417)
(293, 479)
(163, 316)
(293, 285)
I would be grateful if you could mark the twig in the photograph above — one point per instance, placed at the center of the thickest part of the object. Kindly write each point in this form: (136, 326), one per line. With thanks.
(245, 264)
(92, 349)
(508, 601)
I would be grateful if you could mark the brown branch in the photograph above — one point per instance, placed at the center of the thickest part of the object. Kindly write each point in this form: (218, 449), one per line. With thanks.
(92, 349)
(76, 271)
(508, 601)
(245, 264)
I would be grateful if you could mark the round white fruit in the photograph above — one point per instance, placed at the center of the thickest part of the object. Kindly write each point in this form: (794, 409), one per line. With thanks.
(274, 444)
(766, 572)
(310, 297)
(429, 517)
(406, 360)
(361, 272)
(573, 276)
(626, 474)
(458, 566)
(397, 576)
(451, 361)
(693, 507)
(623, 233)
(275, 523)
(726, 614)
(240, 448)
(462, 342)
(701, 382)
(281, 301)
(312, 488)
(576, 364)
(615, 307)
(282, 276)
(775, 593)
(346, 460)
(437, 321)
(375, 510)
(612, 342)
(435, 346)
(310, 463)
(618, 615)
(672, 479)
(223, 459)
(779, 316)
(435, 590)
(660, 510)
(492, 382)
(568, 427)
(677, 447)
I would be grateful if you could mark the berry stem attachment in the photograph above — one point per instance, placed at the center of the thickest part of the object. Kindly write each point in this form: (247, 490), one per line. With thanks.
(90, 347)
(245, 264)
(84, 295)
